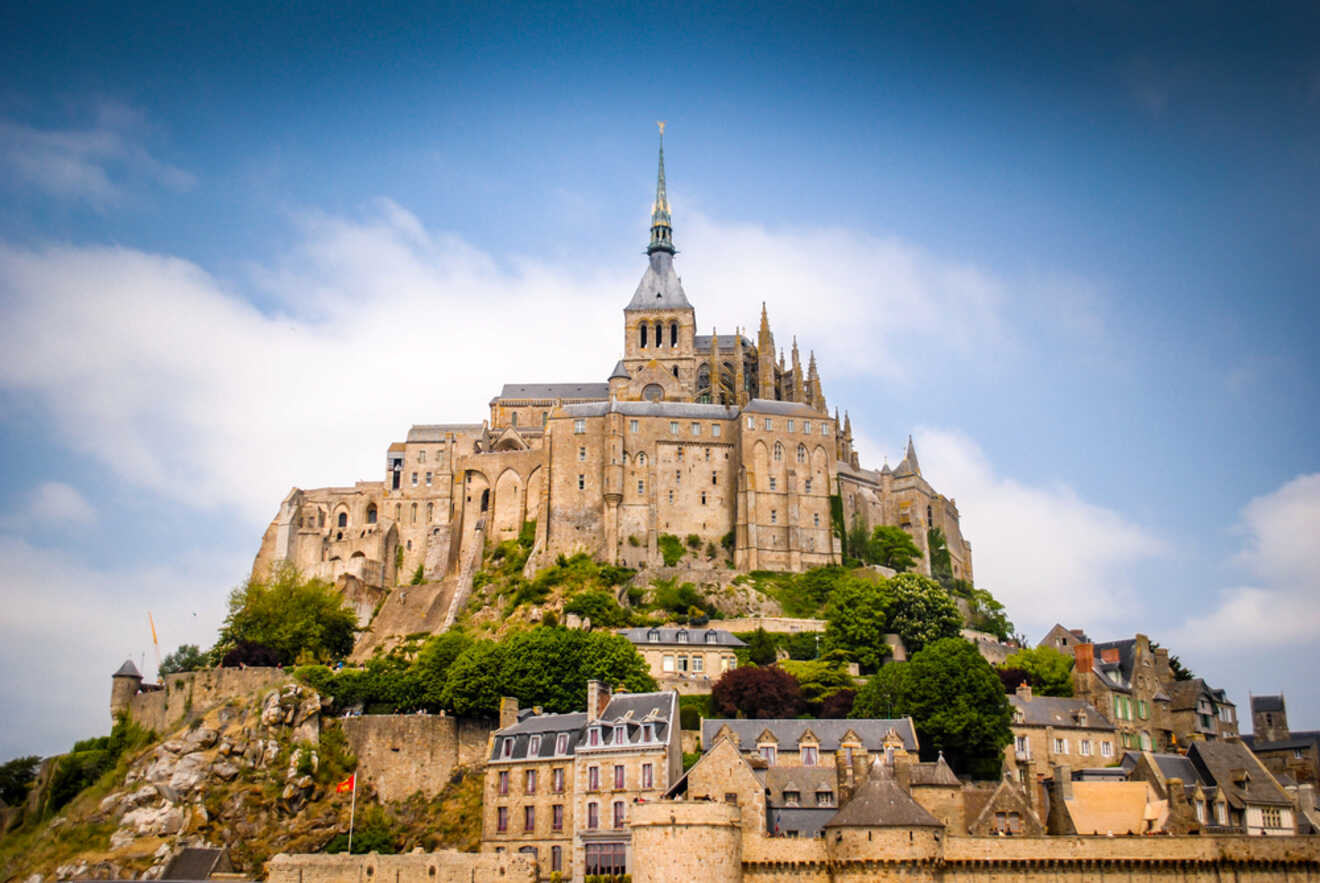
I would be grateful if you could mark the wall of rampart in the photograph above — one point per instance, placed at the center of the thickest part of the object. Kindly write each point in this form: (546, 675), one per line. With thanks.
(195, 691)
(447, 866)
(769, 623)
(400, 754)
(686, 840)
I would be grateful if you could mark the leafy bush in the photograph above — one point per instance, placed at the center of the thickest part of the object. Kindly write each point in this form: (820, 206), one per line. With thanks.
(419, 575)
(527, 534)
(187, 658)
(289, 617)
(671, 549)
(693, 541)
(1048, 670)
(681, 600)
(373, 833)
(600, 606)
(765, 691)
(15, 776)
(91, 759)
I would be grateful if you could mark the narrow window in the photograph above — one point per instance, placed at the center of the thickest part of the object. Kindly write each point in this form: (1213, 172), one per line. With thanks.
(618, 814)
(593, 778)
(673, 334)
(659, 335)
(779, 452)
(413, 515)
(557, 852)
(774, 515)
(790, 425)
(773, 483)
(557, 777)
(696, 429)
(582, 453)
(715, 430)
(671, 496)
(414, 479)
(632, 425)
(806, 427)
(502, 819)
(802, 453)
(428, 479)
(579, 426)
(371, 514)
(641, 486)
(343, 516)
(618, 776)
(529, 784)
(751, 422)
(556, 824)
(806, 486)
(430, 512)
(582, 482)
(513, 419)
(533, 746)
(642, 328)
(421, 456)
(647, 776)
(673, 427)
(593, 816)
(561, 747)
(504, 782)
(703, 498)
(769, 424)
(529, 818)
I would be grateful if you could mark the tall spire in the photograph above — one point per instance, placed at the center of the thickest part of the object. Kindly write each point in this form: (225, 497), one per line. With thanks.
(799, 389)
(662, 228)
(739, 378)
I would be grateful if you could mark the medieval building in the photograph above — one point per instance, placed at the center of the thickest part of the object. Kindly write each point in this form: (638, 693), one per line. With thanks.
(708, 434)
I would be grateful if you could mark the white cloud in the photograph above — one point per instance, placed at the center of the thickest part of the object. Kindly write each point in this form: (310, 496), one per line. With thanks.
(1047, 554)
(179, 385)
(1278, 603)
(54, 502)
(89, 164)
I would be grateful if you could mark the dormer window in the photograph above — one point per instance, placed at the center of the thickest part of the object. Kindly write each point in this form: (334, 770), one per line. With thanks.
(534, 746)
(648, 732)
(507, 749)
(682, 636)
(561, 743)
(712, 637)
(792, 798)
(810, 755)
(620, 734)
(653, 636)
(824, 797)
(593, 737)
(768, 752)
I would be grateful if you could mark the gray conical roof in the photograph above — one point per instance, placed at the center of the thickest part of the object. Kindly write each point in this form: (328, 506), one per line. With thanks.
(619, 371)
(660, 288)
(128, 670)
(881, 803)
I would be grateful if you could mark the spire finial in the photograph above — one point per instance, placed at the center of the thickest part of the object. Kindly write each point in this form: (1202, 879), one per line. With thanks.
(662, 229)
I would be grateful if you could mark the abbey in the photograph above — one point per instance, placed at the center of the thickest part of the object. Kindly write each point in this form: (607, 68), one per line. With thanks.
(715, 435)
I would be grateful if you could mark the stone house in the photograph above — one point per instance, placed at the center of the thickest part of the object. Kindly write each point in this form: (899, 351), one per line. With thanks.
(687, 660)
(559, 788)
(1257, 803)
(713, 435)
(1123, 679)
(1196, 804)
(1286, 752)
(1198, 711)
(1053, 730)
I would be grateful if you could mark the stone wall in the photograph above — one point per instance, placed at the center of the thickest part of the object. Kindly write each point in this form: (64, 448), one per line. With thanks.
(418, 867)
(692, 840)
(399, 754)
(192, 692)
(770, 624)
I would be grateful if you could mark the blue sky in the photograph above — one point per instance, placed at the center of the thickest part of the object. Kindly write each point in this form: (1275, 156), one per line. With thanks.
(1070, 247)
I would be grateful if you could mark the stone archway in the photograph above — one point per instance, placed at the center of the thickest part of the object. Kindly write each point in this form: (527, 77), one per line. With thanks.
(507, 511)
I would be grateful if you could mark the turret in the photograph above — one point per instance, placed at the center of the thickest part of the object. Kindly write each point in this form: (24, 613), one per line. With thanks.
(765, 356)
(817, 399)
(799, 391)
(716, 388)
(124, 685)
(739, 375)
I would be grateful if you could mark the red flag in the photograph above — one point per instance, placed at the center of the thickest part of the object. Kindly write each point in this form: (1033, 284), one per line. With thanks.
(346, 785)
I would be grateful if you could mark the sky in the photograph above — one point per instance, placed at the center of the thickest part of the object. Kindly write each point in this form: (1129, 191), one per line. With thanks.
(1070, 247)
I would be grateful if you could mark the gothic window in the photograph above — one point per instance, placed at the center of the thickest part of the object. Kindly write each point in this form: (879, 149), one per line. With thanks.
(642, 328)
(371, 514)
(641, 459)
(779, 452)
(414, 513)
(343, 519)
(802, 453)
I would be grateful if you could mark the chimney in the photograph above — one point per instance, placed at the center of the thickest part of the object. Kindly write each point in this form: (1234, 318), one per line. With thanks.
(1084, 654)
(844, 777)
(1163, 673)
(508, 711)
(598, 696)
(1063, 782)
(1024, 691)
(903, 772)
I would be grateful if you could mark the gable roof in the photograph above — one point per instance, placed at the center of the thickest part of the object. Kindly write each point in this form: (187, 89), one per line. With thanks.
(829, 732)
(697, 637)
(632, 710)
(937, 773)
(1217, 762)
(805, 780)
(881, 803)
(1112, 807)
(1058, 711)
(786, 409)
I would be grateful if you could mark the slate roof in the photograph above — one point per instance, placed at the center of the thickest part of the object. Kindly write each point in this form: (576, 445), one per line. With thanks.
(785, 409)
(695, 637)
(880, 803)
(1058, 711)
(937, 773)
(1117, 675)
(631, 709)
(830, 732)
(805, 780)
(1266, 703)
(128, 670)
(197, 863)
(434, 432)
(807, 821)
(702, 342)
(619, 371)
(660, 288)
(1217, 760)
(1296, 739)
(553, 391)
(1184, 694)
(652, 409)
(1171, 766)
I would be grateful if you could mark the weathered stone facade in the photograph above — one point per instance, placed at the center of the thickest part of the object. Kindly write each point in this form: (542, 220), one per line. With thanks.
(401, 754)
(708, 435)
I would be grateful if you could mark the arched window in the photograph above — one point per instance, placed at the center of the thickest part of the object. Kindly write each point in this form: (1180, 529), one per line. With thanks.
(641, 458)
(779, 452)
(513, 419)
(802, 453)
(414, 513)
(642, 329)
(673, 334)
(676, 371)
(429, 512)
(659, 335)
(343, 519)
(371, 514)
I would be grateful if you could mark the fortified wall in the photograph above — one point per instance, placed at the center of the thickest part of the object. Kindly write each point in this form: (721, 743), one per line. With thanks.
(179, 694)
(675, 840)
(448, 866)
(400, 754)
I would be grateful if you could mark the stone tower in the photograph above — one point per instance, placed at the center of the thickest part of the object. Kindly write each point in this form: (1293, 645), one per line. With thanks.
(659, 322)
(124, 685)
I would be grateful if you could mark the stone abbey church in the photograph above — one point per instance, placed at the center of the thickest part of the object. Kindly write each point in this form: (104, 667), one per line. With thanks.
(705, 434)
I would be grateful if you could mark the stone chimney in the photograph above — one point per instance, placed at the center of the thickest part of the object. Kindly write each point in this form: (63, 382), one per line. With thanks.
(1182, 818)
(598, 696)
(1024, 691)
(508, 711)
(1163, 673)
(1059, 820)
(1084, 654)
(903, 771)
(845, 778)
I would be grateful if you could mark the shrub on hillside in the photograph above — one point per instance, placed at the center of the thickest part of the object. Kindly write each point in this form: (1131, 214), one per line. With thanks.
(291, 617)
(761, 691)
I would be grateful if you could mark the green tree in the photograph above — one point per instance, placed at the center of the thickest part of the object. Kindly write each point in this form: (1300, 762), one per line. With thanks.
(819, 679)
(290, 617)
(958, 705)
(857, 542)
(941, 563)
(857, 620)
(987, 614)
(671, 549)
(433, 663)
(187, 658)
(921, 611)
(473, 683)
(600, 606)
(885, 694)
(761, 648)
(1049, 671)
(15, 776)
(892, 547)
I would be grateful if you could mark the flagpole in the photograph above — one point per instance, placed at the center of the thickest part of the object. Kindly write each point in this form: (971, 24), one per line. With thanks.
(352, 812)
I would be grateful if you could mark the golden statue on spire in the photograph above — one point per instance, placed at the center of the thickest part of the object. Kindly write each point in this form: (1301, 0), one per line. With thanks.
(661, 124)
